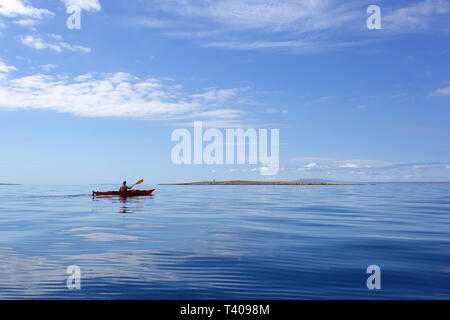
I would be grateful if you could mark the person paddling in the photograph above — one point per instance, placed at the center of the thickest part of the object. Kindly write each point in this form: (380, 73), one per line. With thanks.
(125, 191)
(125, 188)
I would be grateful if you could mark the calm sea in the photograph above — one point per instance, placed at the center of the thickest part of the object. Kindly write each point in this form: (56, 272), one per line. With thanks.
(227, 242)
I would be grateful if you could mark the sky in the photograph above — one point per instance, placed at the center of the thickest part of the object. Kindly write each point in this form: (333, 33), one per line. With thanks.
(99, 103)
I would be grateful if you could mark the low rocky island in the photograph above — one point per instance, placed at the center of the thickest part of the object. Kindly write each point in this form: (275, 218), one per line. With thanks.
(245, 182)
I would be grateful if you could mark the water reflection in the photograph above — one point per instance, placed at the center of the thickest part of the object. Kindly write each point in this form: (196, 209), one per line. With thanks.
(129, 205)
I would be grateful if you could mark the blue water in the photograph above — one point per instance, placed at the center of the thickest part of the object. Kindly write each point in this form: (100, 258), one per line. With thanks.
(227, 242)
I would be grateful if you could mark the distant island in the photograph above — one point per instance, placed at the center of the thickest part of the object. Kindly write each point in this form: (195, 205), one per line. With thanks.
(245, 182)
(8, 184)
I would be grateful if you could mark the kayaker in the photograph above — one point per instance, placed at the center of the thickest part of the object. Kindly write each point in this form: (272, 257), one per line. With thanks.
(125, 188)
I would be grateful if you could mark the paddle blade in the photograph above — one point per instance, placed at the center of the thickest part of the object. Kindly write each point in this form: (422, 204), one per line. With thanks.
(140, 181)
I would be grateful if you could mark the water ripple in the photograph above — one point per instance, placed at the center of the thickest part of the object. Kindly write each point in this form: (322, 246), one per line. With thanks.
(227, 242)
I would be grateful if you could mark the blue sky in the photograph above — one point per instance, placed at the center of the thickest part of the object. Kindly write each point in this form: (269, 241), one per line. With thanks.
(99, 104)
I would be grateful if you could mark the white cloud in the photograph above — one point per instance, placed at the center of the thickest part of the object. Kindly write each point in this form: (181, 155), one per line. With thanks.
(300, 26)
(212, 94)
(54, 43)
(376, 170)
(441, 92)
(254, 24)
(267, 15)
(39, 43)
(298, 45)
(274, 110)
(17, 8)
(69, 47)
(225, 113)
(88, 5)
(222, 123)
(268, 170)
(311, 165)
(325, 163)
(26, 22)
(155, 23)
(348, 165)
(416, 16)
(110, 95)
(4, 68)
(49, 67)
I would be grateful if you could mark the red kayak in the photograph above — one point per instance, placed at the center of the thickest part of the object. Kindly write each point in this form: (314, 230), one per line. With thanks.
(130, 193)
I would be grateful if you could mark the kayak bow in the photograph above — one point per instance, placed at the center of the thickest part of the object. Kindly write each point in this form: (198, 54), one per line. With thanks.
(130, 193)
